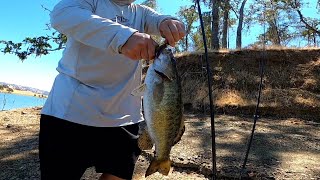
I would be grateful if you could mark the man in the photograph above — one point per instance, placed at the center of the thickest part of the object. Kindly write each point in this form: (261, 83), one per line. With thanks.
(90, 117)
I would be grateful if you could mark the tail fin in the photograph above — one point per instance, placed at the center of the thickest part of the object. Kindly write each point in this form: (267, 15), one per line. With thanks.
(161, 166)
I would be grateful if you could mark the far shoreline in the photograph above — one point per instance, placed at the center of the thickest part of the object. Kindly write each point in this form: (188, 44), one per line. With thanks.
(24, 93)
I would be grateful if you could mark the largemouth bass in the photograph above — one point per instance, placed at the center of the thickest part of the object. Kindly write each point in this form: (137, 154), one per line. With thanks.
(163, 109)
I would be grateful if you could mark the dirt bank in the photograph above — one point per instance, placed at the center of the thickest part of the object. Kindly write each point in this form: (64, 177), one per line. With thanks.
(291, 86)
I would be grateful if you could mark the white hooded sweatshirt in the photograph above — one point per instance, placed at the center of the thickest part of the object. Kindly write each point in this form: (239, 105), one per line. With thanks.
(95, 82)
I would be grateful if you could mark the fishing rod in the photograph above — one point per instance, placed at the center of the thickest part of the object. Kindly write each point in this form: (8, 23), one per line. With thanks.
(256, 116)
(213, 132)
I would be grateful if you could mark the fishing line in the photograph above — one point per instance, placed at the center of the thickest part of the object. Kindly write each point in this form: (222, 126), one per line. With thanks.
(213, 136)
(256, 116)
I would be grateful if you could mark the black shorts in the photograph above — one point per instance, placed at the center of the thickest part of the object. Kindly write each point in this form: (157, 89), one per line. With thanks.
(67, 149)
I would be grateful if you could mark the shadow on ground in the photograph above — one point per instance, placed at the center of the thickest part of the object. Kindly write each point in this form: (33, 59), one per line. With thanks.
(282, 149)
(287, 148)
(18, 153)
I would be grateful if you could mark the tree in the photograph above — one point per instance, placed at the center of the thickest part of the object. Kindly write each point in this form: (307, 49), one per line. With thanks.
(10, 90)
(309, 28)
(296, 4)
(309, 34)
(37, 46)
(188, 16)
(197, 35)
(240, 24)
(215, 24)
(278, 19)
(150, 3)
(225, 27)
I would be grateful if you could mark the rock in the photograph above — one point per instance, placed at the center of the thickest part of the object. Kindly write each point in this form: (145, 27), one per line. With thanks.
(37, 108)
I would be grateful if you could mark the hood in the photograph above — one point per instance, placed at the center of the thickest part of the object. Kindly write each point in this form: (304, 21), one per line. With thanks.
(123, 2)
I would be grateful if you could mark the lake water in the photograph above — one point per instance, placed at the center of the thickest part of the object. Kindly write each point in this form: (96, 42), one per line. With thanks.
(14, 101)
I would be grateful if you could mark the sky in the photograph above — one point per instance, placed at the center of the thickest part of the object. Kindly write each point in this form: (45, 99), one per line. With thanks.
(22, 19)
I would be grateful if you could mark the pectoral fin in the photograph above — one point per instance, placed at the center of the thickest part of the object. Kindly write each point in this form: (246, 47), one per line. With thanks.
(139, 90)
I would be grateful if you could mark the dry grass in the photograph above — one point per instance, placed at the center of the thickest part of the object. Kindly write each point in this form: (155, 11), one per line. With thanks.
(231, 98)
(268, 48)
(292, 79)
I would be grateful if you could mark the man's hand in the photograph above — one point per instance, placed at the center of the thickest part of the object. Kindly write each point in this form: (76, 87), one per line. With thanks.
(172, 31)
(139, 46)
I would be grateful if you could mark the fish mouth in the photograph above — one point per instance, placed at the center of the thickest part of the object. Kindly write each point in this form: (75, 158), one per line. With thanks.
(163, 76)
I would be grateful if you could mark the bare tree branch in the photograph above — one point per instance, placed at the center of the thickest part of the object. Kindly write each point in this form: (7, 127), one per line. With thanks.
(296, 5)
(235, 12)
(306, 24)
(46, 9)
